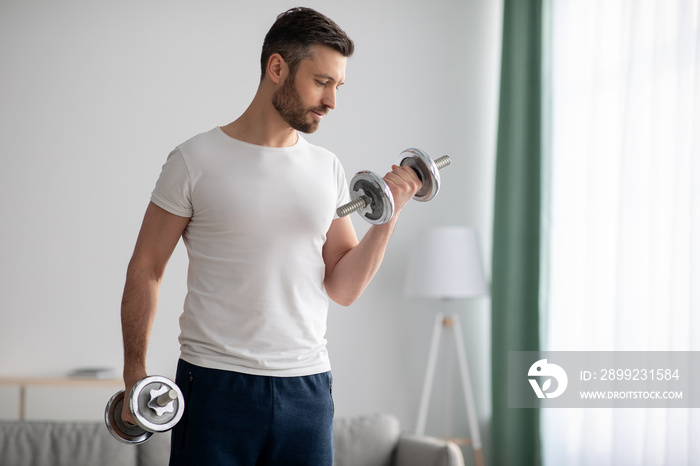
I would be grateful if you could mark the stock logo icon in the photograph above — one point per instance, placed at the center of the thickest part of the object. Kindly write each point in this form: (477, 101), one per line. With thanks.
(544, 371)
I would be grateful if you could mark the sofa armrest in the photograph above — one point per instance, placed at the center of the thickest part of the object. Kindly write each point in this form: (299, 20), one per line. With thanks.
(417, 450)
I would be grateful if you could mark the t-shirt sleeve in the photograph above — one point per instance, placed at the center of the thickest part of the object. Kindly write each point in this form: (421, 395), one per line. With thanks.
(342, 186)
(173, 191)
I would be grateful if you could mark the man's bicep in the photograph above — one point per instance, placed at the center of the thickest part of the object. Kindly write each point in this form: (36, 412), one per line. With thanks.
(160, 232)
(340, 239)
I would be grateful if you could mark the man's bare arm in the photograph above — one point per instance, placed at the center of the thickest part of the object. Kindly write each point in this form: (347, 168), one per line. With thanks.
(156, 242)
(351, 265)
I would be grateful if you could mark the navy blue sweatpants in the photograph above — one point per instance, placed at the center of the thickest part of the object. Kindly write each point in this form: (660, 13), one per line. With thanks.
(236, 419)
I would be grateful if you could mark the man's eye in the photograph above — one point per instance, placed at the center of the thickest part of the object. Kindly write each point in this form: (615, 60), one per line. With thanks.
(322, 83)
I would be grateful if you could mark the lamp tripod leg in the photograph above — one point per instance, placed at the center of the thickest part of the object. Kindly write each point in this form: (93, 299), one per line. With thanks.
(468, 394)
(429, 375)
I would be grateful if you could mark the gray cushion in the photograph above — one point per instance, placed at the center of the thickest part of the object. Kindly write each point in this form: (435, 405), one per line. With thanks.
(61, 444)
(365, 441)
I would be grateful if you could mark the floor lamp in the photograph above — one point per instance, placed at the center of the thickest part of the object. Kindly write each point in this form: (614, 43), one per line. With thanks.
(445, 264)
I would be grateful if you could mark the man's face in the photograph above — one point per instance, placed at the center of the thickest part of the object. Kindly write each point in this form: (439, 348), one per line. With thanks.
(307, 96)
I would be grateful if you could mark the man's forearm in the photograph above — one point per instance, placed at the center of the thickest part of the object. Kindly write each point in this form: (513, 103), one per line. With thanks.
(355, 270)
(138, 311)
(350, 265)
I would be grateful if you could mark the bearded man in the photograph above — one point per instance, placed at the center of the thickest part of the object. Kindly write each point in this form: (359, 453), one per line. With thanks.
(255, 205)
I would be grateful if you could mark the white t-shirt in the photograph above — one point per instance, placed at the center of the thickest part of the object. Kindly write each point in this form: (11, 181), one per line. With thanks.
(258, 222)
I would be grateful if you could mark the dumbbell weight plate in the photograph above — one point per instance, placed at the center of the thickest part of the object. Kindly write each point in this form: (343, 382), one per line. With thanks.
(144, 392)
(369, 184)
(427, 171)
(120, 430)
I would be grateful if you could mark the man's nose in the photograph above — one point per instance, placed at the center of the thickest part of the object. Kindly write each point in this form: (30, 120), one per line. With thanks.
(329, 98)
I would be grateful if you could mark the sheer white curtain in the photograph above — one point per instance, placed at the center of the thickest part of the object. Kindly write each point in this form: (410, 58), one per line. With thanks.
(624, 223)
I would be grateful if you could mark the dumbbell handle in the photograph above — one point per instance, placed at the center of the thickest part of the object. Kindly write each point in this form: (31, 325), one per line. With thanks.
(363, 201)
(166, 398)
(440, 162)
(353, 206)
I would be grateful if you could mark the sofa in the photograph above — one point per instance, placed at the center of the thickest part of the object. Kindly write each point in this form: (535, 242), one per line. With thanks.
(373, 440)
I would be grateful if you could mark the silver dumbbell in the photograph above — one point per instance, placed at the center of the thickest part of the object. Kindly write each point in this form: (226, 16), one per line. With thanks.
(156, 404)
(372, 197)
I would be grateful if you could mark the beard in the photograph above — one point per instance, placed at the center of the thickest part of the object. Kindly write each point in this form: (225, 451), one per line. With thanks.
(291, 108)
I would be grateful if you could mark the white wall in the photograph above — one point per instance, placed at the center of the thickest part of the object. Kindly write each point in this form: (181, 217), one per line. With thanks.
(93, 96)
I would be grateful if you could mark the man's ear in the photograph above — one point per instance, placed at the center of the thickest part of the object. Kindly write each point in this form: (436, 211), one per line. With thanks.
(277, 68)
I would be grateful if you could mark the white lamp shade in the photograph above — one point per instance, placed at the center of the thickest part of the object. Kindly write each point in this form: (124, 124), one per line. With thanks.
(445, 263)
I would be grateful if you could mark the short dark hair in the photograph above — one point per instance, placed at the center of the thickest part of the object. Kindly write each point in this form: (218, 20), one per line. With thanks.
(296, 31)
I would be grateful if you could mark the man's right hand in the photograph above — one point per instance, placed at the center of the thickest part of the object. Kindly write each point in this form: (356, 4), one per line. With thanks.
(128, 385)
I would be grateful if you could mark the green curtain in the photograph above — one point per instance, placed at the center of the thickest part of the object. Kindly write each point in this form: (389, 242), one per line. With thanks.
(516, 228)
